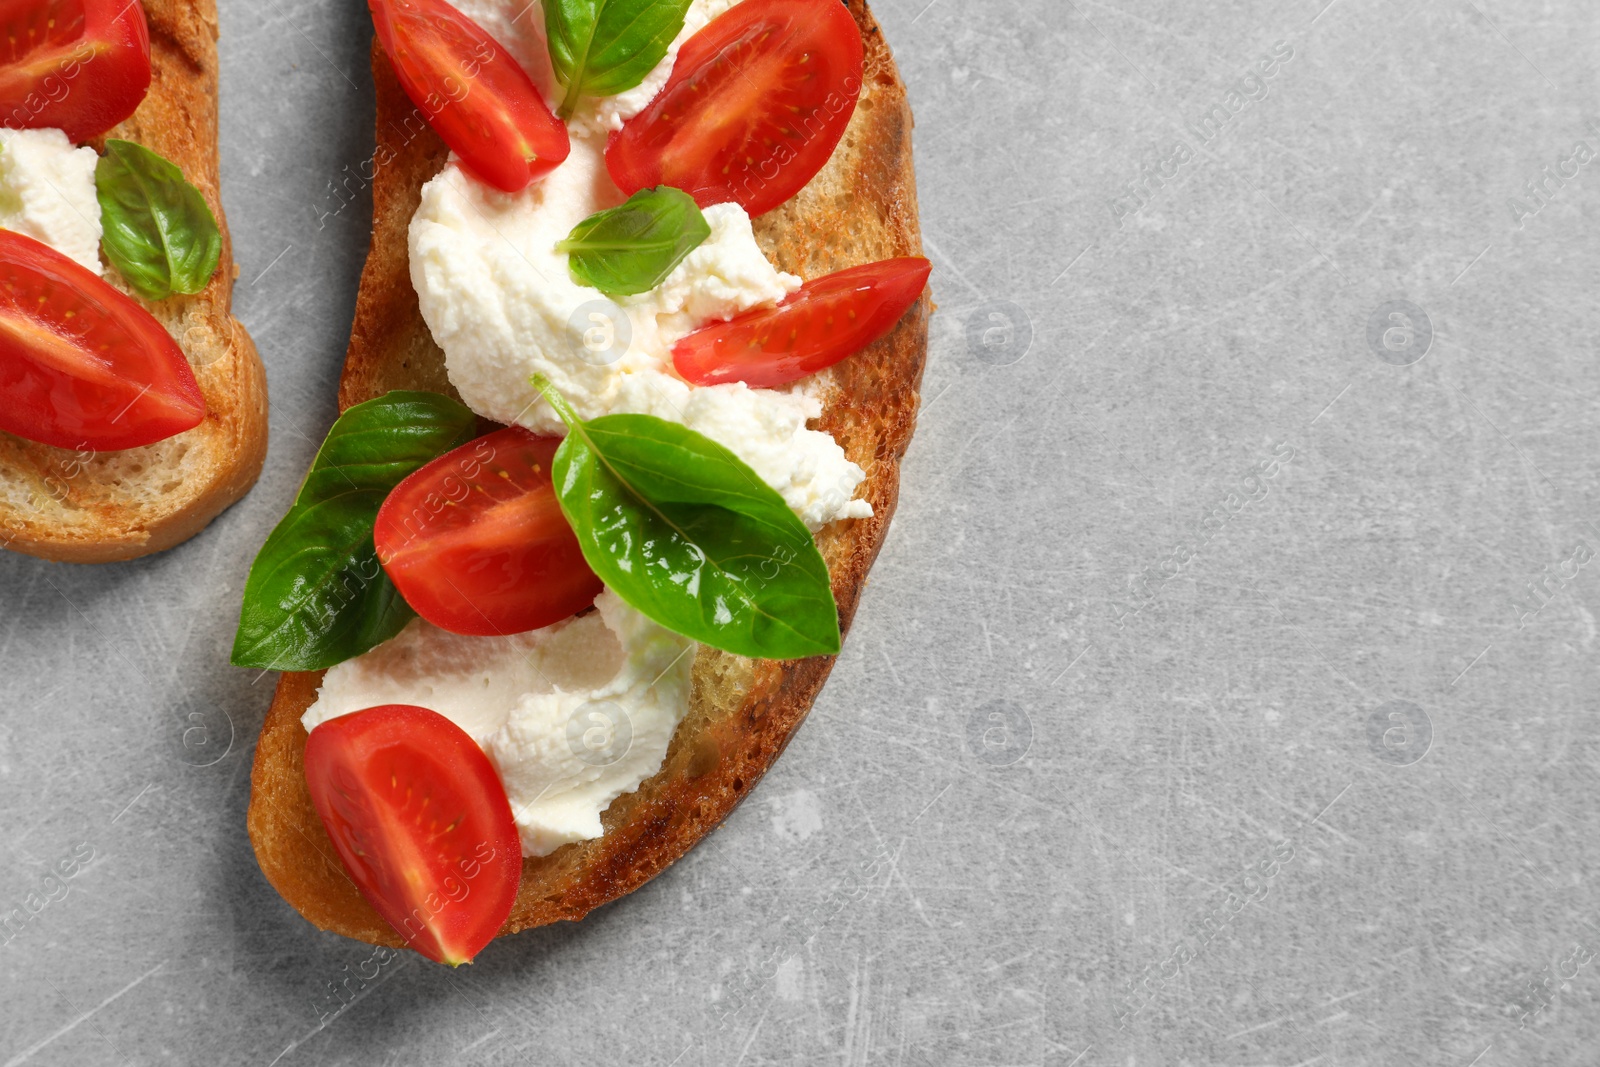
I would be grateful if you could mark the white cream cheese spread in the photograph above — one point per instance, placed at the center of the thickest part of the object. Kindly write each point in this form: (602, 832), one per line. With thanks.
(47, 193)
(501, 303)
(573, 715)
(551, 707)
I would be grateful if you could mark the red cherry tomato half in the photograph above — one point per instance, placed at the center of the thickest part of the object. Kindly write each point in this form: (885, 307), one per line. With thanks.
(422, 824)
(825, 321)
(755, 105)
(80, 65)
(477, 98)
(476, 541)
(81, 365)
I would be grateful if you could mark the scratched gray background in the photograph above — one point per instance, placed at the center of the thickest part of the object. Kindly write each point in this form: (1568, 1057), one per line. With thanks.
(1148, 747)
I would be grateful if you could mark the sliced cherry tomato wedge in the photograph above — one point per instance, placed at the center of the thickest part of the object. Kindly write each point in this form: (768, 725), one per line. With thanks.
(476, 97)
(80, 65)
(755, 105)
(825, 321)
(476, 541)
(419, 817)
(82, 365)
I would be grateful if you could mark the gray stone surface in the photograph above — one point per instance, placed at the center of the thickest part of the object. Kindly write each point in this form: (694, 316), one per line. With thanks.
(1199, 711)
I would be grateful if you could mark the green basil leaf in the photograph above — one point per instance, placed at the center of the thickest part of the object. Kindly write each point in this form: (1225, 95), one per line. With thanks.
(632, 248)
(159, 231)
(686, 533)
(606, 47)
(316, 594)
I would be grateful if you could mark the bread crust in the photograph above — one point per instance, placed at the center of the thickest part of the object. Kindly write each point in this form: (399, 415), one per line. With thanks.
(861, 208)
(96, 508)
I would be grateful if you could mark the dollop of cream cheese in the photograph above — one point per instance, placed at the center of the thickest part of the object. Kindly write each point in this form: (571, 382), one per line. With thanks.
(573, 715)
(47, 193)
(501, 303)
(579, 713)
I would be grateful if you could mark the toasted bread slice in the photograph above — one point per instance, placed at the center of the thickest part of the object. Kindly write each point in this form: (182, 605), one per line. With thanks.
(97, 507)
(861, 208)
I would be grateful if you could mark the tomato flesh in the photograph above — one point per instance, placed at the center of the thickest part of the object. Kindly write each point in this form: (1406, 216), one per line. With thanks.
(81, 365)
(419, 818)
(476, 541)
(477, 98)
(823, 322)
(756, 104)
(81, 65)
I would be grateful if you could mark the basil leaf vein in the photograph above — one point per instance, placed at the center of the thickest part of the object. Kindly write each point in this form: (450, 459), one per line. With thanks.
(606, 47)
(158, 230)
(688, 535)
(316, 594)
(633, 247)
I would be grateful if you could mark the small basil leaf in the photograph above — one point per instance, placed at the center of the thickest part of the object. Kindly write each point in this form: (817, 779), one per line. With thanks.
(686, 533)
(159, 231)
(632, 248)
(316, 594)
(606, 47)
